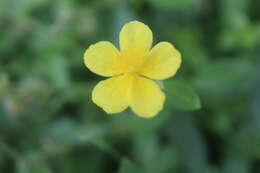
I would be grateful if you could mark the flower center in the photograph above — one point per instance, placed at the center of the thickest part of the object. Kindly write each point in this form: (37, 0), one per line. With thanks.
(131, 61)
(130, 69)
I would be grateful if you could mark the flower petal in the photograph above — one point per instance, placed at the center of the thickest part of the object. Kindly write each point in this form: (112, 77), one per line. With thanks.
(135, 37)
(102, 58)
(145, 97)
(110, 94)
(162, 62)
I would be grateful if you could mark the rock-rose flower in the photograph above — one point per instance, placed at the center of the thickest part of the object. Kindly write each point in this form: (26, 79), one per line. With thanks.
(132, 70)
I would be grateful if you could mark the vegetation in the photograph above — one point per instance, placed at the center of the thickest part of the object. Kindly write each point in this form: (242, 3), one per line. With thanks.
(210, 122)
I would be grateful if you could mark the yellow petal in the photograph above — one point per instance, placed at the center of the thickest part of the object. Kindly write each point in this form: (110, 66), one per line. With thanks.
(110, 94)
(162, 62)
(135, 37)
(102, 58)
(145, 97)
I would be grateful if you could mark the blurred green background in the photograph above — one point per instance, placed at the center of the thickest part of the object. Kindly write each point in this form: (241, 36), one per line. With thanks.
(211, 119)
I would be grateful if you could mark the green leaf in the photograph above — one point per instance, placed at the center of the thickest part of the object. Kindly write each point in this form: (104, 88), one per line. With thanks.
(127, 166)
(181, 96)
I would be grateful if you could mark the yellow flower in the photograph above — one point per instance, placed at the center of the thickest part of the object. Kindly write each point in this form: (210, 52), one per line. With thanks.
(132, 71)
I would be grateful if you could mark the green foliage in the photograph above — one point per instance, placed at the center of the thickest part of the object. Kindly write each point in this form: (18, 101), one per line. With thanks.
(184, 97)
(177, 4)
(127, 167)
(211, 119)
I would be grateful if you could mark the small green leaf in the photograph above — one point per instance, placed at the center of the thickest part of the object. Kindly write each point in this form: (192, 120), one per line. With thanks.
(181, 96)
(126, 166)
